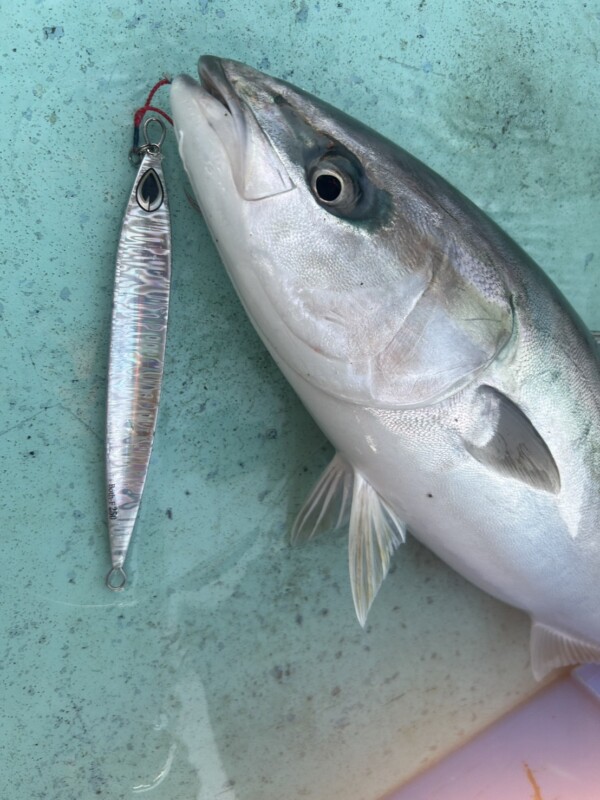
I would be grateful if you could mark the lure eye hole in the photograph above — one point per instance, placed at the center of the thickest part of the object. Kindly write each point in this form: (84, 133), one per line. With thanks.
(333, 185)
(150, 194)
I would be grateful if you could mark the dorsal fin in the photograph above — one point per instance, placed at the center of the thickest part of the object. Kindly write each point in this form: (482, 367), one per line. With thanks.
(552, 649)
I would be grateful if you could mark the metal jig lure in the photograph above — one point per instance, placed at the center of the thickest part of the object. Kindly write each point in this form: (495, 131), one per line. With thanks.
(137, 346)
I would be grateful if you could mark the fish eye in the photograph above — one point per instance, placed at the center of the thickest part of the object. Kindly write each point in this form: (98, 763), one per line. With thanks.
(328, 187)
(333, 186)
(341, 185)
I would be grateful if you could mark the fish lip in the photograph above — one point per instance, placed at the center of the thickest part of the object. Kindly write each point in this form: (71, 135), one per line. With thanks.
(213, 80)
(239, 89)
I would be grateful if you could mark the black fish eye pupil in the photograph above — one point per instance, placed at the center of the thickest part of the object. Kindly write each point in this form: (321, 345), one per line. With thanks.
(329, 187)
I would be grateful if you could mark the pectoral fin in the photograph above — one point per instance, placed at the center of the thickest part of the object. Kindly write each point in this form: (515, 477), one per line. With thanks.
(552, 649)
(507, 442)
(375, 533)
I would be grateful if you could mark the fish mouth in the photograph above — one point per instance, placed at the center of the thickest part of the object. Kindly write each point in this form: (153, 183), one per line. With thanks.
(222, 104)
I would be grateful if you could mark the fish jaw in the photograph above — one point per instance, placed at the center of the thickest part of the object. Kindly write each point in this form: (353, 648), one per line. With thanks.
(214, 131)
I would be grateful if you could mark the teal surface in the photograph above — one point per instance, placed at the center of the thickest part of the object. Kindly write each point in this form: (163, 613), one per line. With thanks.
(233, 666)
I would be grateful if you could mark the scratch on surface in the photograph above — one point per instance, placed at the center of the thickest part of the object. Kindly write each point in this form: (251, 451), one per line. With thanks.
(114, 604)
(83, 422)
(537, 792)
(412, 67)
(26, 420)
(49, 408)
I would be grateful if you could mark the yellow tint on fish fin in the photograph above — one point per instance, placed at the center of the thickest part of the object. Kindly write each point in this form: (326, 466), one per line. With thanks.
(552, 649)
(375, 533)
(328, 505)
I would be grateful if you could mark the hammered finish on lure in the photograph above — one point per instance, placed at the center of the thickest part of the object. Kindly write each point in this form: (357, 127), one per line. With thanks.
(459, 388)
(137, 348)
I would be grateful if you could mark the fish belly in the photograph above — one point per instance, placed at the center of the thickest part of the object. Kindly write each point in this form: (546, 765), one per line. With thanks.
(511, 540)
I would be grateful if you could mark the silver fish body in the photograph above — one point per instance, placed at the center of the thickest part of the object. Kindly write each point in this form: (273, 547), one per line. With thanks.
(137, 349)
(461, 391)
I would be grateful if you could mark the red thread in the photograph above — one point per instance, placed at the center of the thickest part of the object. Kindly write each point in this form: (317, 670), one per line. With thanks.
(162, 82)
(139, 114)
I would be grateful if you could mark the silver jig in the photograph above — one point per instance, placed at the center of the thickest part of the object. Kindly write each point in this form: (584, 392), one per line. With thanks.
(137, 347)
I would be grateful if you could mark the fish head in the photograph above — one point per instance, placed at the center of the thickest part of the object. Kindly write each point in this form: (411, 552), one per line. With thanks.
(334, 239)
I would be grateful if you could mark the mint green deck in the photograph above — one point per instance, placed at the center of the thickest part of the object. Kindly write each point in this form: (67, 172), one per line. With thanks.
(233, 666)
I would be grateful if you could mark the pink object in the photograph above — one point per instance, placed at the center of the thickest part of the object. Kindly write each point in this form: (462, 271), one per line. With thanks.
(548, 749)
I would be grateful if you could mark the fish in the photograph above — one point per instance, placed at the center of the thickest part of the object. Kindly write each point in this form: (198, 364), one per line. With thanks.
(459, 388)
